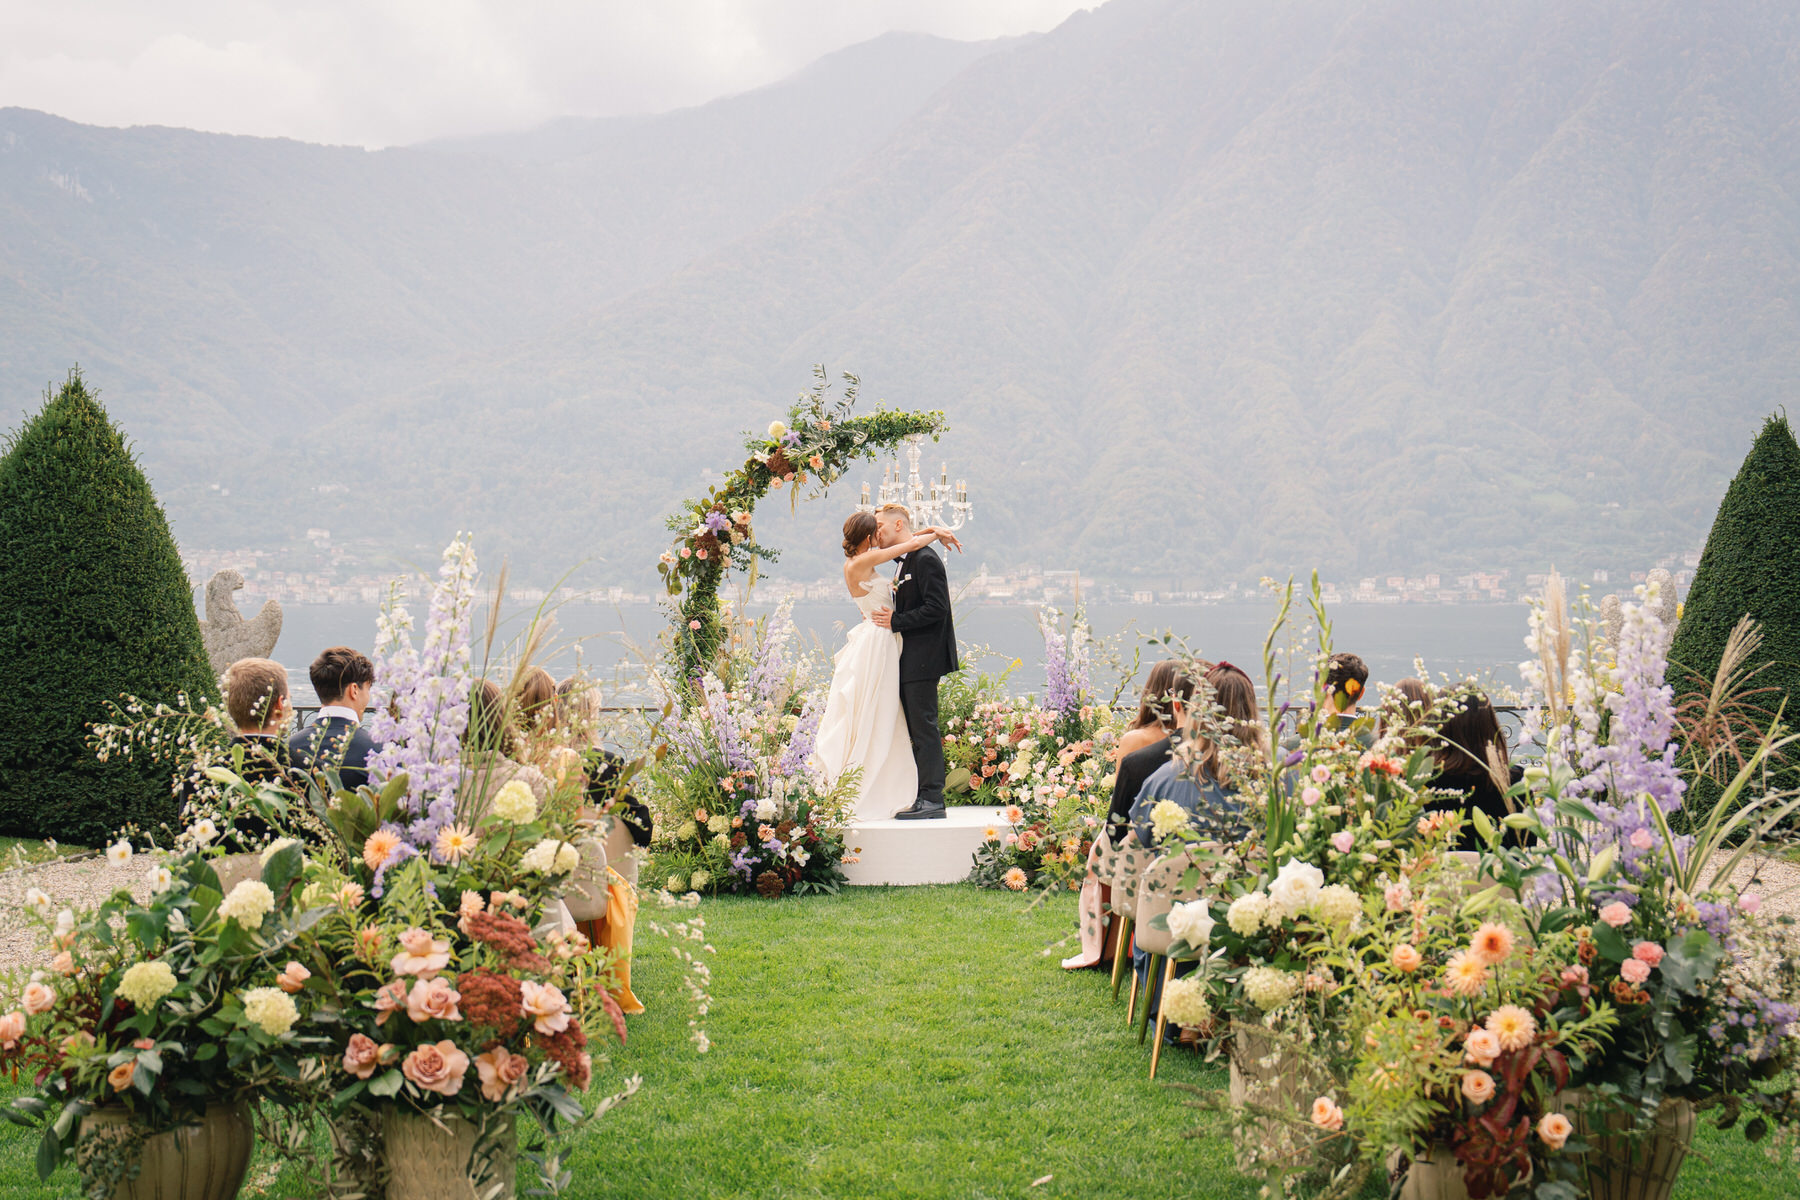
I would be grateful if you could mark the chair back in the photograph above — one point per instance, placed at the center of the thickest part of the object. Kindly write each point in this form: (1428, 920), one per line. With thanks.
(622, 854)
(1158, 892)
(1128, 870)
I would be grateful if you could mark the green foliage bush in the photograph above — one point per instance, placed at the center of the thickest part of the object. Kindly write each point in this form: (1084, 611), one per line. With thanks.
(94, 604)
(1751, 565)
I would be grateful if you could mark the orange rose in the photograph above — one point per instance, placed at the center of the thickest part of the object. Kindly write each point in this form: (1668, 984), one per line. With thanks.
(1407, 958)
(120, 1076)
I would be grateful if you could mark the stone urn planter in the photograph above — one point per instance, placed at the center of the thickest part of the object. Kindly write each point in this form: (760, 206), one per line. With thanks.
(205, 1161)
(1267, 1074)
(233, 869)
(1434, 1175)
(1621, 1166)
(430, 1161)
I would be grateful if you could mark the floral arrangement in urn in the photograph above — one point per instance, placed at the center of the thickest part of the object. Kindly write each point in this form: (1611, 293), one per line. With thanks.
(155, 1012)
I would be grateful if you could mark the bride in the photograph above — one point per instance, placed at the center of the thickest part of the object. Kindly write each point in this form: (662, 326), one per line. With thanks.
(863, 726)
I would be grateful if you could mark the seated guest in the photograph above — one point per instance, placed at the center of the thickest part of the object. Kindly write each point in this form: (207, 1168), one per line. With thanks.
(256, 700)
(1202, 785)
(608, 794)
(1346, 676)
(487, 765)
(1472, 760)
(1145, 746)
(1407, 713)
(1165, 709)
(335, 748)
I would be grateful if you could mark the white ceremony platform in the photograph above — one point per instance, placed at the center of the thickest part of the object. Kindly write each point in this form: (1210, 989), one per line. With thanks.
(914, 852)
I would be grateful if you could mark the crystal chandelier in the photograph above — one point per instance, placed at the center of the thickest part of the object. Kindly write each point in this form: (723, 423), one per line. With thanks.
(925, 507)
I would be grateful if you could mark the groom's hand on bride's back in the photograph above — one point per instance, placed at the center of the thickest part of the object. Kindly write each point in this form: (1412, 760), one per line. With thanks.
(883, 617)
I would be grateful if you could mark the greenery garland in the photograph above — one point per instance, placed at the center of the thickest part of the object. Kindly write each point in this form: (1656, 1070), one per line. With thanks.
(811, 449)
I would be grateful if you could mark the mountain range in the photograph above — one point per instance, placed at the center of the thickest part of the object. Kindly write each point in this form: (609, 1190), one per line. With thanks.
(1207, 289)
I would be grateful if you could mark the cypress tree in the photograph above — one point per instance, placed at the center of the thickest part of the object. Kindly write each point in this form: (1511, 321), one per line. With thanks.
(1751, 565)
(94, 605)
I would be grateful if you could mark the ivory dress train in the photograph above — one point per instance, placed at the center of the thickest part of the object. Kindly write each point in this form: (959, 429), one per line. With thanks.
(863, 725)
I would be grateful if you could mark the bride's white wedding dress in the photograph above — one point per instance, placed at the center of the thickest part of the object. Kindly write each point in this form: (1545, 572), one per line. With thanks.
(863, 725)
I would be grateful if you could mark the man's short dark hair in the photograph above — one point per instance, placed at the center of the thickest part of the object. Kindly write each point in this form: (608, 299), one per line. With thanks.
(1341, 669)
(336, 669)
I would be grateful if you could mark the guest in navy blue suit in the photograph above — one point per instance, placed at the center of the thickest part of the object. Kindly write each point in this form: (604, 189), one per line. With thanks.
(336, 748)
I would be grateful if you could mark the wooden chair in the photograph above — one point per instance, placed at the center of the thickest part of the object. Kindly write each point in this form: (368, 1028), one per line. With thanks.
(1128, 870)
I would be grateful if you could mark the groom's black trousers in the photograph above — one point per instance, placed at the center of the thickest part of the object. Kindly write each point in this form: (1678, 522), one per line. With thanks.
(919, 702)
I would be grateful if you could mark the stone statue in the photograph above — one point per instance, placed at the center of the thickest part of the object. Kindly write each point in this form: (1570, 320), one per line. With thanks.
(228, 637)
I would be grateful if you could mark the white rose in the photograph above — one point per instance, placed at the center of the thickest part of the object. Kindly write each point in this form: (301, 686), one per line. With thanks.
(1246, 914)
(1296, 887)
(765, 810)
(1192, 923)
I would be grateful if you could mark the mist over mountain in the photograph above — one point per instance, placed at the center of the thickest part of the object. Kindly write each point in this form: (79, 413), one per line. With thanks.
(1206, 289)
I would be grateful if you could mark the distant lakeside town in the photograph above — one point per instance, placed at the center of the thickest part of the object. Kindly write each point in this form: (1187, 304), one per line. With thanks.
(319, 570)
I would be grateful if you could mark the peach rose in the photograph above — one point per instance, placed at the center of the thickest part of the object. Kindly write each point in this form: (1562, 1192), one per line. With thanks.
(350, 895)
(37, 997)
(1575, 976)
(1326, 1114)
(438, 1068)
(1648, 953)
(1482, 1047)
(1634, 970)
(63, 964)
(1615, 914)
(1555, 1130)
(390, 999)
(1478, 1086)
(433, 1000)
(293, 978)
(12, 1028)
(1407, 958)
(120, 1076)
(361, 1056)
(421, 954)
(368, 941)
(546, 1004)
(500, 1073)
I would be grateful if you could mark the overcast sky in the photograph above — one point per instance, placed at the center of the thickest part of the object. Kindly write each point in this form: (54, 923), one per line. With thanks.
(384, 72)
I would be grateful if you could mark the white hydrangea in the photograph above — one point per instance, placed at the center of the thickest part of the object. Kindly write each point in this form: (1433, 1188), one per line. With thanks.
(1270, 987)
(1296, 887)
(1247, 913)
(249, 902)
(272, 1009)
(1338, 905)
(1184, 1003)
(550, 857)
(697, 882)
(1192, 923)
(1167, 818)
(147, 982)
(719, 824)
(515, 803)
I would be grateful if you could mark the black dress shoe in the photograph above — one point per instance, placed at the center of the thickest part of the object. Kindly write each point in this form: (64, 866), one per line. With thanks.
(921, 812)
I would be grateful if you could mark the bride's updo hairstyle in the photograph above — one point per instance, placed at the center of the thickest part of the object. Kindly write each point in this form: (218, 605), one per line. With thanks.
(859, 528)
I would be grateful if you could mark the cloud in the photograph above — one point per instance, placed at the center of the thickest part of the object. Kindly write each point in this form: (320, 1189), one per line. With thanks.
(386, 72)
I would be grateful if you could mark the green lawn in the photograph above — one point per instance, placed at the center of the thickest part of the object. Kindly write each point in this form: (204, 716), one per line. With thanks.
(907, 1042)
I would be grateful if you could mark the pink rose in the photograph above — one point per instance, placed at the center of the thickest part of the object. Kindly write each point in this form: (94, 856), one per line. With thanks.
(545, 1004)
(1634, 970)
(1326, 1114)
(438, 1068)
(1648, 953)
(1343, 841)
(500, 1073)
(12, 1028)
(1642, 840)
(361, 1056)
(293, 978)
(1750, 902)
(1310, 796)
(421, 954)
(1615, 914)
(433, 1000)
(1575, 976)
(1481, 1047)
(37, 997)
(390, 999)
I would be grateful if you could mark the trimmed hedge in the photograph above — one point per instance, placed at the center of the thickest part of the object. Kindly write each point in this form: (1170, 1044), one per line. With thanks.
(94, 604)
(1751, 565)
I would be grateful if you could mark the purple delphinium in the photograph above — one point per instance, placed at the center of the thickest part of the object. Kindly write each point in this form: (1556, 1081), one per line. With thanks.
(717, 522)
(1060, 693)
(421, 732)
(737, 755)
(800, 745)
(769, 672)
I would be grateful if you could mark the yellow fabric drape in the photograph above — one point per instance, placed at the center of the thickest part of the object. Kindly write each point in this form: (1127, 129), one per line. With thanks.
(614, 932)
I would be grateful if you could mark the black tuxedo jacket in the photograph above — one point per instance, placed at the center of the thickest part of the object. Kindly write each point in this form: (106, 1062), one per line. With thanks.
(335, 745)
(922, 616)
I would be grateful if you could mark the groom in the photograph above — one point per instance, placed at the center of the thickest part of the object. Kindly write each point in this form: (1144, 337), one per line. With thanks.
(921, 615)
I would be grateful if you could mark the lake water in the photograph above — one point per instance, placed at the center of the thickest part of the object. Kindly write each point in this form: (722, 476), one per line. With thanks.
(1483, 640)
